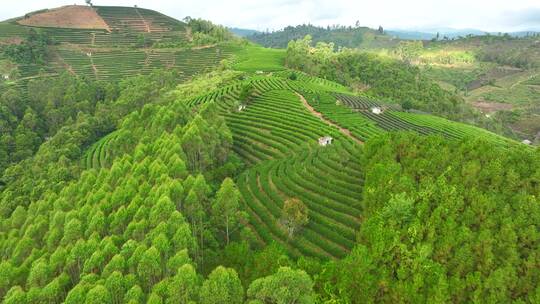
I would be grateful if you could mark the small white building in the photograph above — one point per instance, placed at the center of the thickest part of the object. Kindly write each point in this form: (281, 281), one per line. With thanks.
(526, 142)
(241, 108)
(89, 54)
(325, 141)
(259, 72)
(376, 110)
(6, 77)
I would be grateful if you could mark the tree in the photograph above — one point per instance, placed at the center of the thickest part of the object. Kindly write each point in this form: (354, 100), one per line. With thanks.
(88, 2)
(381, 30)
(115, 284)
(226, 207)
(222, 286)
(15, 295)
(98, 295)
(285, 286)
(409, 50)
(294, 215)
(184, 286)
(149, 268)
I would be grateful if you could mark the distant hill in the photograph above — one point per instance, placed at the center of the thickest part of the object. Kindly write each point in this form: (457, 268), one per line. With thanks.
(341, 36)
(450, 33)
(243, 32)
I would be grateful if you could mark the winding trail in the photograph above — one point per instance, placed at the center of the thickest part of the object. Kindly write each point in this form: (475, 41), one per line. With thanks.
(344, 131)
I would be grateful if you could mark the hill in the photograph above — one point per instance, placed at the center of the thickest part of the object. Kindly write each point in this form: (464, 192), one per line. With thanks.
(495, 74)
(243, 32)
(436, 33)
(341, 36)
(101, 44)
(79, 17)
(108, 43)
(250, 181)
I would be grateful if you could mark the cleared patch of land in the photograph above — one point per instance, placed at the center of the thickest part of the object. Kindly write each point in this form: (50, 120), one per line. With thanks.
(72, 16)
(490, 107)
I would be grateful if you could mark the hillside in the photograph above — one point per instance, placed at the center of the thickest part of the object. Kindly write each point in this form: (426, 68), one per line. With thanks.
(110, 42)
(495, 74)
(78, 17)
(491, 77)
(341, 36)
(100, 44)
(247, 180)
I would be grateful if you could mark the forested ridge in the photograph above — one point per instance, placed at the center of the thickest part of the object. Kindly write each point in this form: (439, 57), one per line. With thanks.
(311, 175)
(341, 36)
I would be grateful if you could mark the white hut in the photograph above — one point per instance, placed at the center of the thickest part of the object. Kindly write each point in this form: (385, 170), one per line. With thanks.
(89, 54)
(5, 76)
(325, 141)
(376, 110)
(526, 142)
(241, 108)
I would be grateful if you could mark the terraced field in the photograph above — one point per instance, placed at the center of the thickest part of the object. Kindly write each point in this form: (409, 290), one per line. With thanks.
(118, 51)
(115, 64)
(133, 19)
(99, 155)
(276, 136)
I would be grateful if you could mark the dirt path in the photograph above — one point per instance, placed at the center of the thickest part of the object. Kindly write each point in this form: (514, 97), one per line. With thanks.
(65, 64)
(344, 131)
(94, 68)
(144, 21)
(204, 46)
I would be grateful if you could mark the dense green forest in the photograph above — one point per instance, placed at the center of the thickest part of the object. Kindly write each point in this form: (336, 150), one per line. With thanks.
(341, 36)
(240, 174)
(376, 75)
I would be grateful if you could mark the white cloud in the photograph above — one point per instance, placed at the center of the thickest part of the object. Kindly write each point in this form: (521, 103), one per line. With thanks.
(490, 15)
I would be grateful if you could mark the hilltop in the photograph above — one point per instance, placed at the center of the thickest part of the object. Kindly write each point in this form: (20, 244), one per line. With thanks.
(73, 16)
(123, 19)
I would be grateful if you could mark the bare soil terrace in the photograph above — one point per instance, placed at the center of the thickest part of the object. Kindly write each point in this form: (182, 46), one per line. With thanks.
(71, 16)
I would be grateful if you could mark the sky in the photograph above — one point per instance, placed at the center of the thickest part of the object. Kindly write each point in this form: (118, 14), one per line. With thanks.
(486, 15)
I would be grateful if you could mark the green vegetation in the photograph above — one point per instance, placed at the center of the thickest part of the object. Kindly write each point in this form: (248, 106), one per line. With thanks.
(376, 75)
(31, 51)
(204, 32)
(341, 36)
(445, 222)
(253, 58)
(215, 174)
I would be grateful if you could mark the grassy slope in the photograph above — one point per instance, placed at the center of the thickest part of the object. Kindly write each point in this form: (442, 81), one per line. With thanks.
(253, 58)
